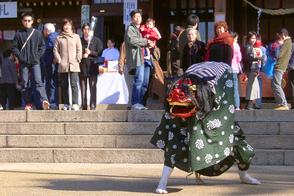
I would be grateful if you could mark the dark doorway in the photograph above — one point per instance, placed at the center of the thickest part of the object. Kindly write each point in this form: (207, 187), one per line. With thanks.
(113, 27)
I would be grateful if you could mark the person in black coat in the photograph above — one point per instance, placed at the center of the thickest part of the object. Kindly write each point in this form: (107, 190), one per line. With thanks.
(28, 47)
(7, 80)
(89, 70)
(194, 50)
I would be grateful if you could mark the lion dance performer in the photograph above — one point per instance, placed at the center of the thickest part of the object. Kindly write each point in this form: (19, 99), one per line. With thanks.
(198, 132)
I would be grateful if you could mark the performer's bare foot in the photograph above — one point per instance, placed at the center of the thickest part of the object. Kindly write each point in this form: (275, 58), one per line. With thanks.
(247, 179)
(161, 188)
(198, 179)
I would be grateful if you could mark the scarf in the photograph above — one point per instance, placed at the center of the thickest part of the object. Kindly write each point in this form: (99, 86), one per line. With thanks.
(224, 38)
(67, 34)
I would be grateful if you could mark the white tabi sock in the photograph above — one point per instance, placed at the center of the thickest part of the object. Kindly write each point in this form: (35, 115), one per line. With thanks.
(161, 188)
(247, 179)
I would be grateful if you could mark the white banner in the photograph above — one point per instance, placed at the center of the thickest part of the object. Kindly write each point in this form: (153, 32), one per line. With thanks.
(8, 9)
(8, 34)
(129, 5)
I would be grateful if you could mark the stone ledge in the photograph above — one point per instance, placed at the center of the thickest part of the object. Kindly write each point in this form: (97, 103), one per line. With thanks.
(77, 116)
(108, 156)
(123, 155)
(32, 128)
(115, 128)
(26, 155)
(60, 141)
(13, 116)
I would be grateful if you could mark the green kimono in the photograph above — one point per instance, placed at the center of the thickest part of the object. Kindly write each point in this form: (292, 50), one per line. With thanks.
(208, 145)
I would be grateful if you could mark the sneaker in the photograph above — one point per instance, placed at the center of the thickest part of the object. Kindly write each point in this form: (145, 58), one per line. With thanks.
(45, 105)
(137, 106)
(53, 106)
(282, 107)
(65, 107)
(93, 107)
(144, 108)
(75, 107)
(1, 108)
(28, 107)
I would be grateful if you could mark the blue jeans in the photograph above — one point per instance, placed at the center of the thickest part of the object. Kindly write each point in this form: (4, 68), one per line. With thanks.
(141, 82)
(32, 72)
(258, 101)
(277, 87)
(236, 90)
(51, 81)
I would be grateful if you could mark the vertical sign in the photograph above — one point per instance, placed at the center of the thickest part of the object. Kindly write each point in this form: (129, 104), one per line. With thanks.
(8, 9)
(129, 5)
(85, 14)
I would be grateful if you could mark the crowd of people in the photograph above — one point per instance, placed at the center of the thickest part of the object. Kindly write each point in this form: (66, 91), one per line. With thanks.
(249, 60)
(49, 68)
(41, 61)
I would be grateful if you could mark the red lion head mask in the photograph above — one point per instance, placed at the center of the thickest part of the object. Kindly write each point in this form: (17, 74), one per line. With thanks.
(181, 99)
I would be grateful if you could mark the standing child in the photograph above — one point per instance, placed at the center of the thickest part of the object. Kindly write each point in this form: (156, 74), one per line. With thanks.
(257, 53)
(8, 81)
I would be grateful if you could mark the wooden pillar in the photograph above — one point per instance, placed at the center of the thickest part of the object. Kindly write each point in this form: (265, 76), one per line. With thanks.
(220, 10)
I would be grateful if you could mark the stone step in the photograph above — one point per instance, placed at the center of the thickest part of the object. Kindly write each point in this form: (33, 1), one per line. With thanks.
(78, 128)
(267, 128)
(75, 141)
(271, 105)
(13, 116)
(123, 141)
(111, 155)
(125, 128)
(262, 115)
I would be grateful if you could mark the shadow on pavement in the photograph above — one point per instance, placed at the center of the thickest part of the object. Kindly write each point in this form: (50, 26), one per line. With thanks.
(106, 184)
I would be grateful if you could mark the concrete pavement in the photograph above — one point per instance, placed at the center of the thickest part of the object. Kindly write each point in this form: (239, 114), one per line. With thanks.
(67, 179)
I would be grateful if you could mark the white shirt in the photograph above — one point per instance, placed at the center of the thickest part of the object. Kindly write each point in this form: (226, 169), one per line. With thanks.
(110, 54)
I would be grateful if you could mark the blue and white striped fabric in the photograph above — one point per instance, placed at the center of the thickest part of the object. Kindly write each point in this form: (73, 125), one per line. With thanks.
(208, 71)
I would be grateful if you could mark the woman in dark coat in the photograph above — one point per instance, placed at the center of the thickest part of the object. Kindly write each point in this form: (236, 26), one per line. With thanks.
(89, 70)
(194, 50)
(252, 67)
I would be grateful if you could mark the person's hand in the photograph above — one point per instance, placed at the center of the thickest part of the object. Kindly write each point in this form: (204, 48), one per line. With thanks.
(85, 55)
(55, 61)
(87, 51)
(120, 70)
(101, 70)
(151, 43)
(16, 60)
(18, 87)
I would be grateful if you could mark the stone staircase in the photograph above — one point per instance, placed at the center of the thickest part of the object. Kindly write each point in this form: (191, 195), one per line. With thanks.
(122, 136)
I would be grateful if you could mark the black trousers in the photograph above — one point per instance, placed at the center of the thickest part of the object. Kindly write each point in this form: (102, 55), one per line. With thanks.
(7, 92)
(64, 84)
(291, 86)
(84, 88)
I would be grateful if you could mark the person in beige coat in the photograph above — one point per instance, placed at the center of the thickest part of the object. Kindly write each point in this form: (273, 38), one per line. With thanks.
(68, 55)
